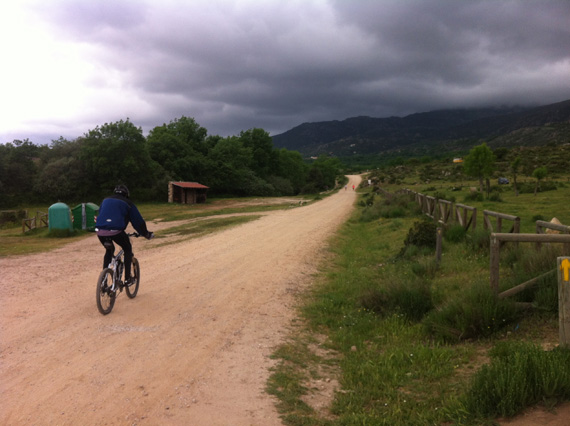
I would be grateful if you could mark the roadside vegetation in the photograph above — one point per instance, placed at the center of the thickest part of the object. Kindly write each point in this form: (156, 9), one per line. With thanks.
(390, 336)
(14, 242)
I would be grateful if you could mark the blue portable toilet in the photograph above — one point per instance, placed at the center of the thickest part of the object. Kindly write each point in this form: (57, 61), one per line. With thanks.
(59, 217)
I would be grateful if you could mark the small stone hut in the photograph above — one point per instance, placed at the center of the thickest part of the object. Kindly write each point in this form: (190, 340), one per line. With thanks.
(186, 192)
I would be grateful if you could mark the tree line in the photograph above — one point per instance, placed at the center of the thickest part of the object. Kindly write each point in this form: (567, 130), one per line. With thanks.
(89, 167)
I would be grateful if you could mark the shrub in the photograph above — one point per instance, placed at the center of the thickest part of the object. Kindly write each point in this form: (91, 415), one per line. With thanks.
(390, 208)
(520, 374)
(455, 234)
(374, 300)
(473, 196)
(529, 263)
(440, 195)
(409, 297)
(479, 313)
(425, 268)
(480, 239)
(422, 234)
(495, 196)
(529, 187)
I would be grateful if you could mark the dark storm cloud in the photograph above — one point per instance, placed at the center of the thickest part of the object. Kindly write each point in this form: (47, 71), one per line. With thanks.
(234, 65)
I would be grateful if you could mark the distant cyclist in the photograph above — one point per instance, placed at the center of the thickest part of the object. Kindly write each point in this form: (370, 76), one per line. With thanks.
(115, 213)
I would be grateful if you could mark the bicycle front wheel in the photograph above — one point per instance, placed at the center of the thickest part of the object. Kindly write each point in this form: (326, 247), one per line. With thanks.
(105, 296)
(133, 289)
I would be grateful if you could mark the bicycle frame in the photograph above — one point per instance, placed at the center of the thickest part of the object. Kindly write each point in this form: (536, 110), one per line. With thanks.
(110, 281)
(118, 264)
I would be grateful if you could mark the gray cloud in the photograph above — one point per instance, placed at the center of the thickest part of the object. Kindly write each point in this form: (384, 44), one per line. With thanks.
(234, 65)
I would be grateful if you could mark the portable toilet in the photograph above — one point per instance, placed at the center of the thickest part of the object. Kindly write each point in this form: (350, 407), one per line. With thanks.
(85, 216)
(59, 217)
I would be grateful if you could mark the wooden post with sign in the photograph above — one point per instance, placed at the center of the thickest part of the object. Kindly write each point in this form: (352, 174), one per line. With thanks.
(564, 300)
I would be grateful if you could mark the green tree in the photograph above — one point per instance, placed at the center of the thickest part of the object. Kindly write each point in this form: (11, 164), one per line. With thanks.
(180, 148)
(539, 173)
(480, 163)
(263, 154)
(323, 174)
(501, 153)
(515, 165)
(18, 171)
(231, 161)
(292, 167)
(117, 153)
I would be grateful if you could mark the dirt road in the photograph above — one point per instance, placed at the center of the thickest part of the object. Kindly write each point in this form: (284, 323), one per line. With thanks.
(191, 349)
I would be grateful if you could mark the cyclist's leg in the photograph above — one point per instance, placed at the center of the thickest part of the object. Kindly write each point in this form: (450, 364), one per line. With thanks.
(109, 250)
(123, 240)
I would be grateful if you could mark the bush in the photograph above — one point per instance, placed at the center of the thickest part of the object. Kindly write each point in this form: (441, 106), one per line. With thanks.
(528, 187)
(479, 313)
(422, 234)
(473, 196)
(529, 263)
(425, 268)
(389, 208)
(409, 297)
(455, 234)
(520, 375)
(12, 216)
(495, 196)
(480, 239)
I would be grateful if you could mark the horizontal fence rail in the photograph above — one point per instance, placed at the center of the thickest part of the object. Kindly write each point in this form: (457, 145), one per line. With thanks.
(39, 221)
(498, 238)
(499, 221)
(463, 218)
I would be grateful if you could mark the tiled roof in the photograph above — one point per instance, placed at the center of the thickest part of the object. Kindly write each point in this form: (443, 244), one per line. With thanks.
(190, 185)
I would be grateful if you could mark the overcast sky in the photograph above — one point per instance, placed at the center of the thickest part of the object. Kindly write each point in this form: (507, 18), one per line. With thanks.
(68, 66)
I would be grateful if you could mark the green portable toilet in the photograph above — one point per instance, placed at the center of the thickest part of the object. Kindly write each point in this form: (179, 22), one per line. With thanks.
(85, 216)
(59, 217)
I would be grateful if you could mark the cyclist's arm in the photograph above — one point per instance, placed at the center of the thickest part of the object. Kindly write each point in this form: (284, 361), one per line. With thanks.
(137, 221)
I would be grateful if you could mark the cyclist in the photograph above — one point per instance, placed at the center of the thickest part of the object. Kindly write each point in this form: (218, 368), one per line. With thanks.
(115, 213)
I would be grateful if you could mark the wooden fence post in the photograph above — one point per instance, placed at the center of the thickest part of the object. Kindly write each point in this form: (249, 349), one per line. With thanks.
(494, 266)
(564, 300)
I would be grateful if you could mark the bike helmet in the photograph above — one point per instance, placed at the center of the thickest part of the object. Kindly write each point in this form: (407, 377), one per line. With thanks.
(122, 189)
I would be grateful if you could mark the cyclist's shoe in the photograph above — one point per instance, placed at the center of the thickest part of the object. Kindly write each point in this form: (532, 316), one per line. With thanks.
(129, 282)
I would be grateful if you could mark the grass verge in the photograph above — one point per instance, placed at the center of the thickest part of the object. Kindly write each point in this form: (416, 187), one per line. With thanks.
(388, 336)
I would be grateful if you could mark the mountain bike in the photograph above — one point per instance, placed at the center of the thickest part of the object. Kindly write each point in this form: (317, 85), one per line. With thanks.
(110, 281)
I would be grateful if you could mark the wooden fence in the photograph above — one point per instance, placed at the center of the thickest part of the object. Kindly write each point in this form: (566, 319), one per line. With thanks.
(463, 218)
(541, 225)
(496, 241)
(40, 220)
(487, 214)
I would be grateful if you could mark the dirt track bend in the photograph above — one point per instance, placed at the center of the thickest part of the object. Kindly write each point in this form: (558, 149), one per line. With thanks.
(192, 348)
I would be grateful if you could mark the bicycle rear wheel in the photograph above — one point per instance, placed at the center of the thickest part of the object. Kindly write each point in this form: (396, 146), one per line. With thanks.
(105, 296)
(133, 289)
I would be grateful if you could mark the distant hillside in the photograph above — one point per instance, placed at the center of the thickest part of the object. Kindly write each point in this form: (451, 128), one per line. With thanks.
(431, 132)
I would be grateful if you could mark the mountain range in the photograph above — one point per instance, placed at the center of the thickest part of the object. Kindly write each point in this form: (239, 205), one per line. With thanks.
(432, 132)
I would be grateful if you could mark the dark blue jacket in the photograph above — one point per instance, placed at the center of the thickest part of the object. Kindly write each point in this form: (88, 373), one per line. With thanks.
(116, 212)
